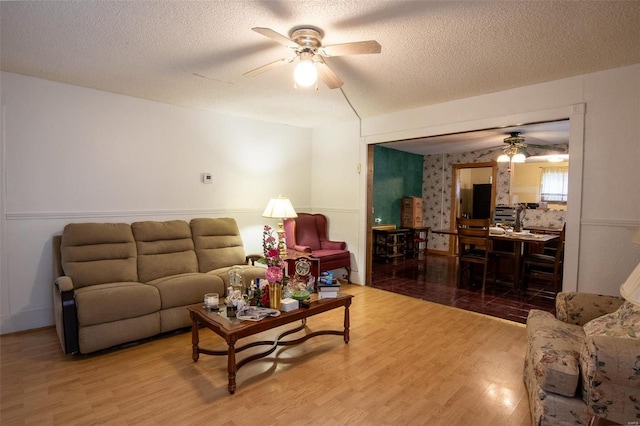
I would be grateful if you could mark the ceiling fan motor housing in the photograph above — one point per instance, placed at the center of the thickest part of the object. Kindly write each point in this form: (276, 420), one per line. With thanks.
(514, 138)
(307, 38)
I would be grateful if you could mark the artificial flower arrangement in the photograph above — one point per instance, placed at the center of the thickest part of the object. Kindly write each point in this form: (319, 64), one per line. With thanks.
(259, 292)
(275, 265)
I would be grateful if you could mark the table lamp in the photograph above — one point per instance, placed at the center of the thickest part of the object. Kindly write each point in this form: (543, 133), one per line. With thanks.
(280, 208)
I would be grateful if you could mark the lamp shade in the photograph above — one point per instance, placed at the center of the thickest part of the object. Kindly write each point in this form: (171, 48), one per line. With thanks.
(279, 208)
(630, 289)
(503, 158)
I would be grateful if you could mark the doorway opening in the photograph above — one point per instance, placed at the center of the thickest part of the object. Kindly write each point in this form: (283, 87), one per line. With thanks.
(473, 193)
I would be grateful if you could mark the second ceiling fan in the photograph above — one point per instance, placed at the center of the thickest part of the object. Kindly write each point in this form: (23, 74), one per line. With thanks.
(515, 151)
(306, 42)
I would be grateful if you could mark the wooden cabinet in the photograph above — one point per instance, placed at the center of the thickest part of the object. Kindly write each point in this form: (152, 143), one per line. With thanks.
(411, 212)
(389, 244)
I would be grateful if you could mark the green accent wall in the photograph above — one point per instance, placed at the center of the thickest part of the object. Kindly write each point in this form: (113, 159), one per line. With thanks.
(396, 174)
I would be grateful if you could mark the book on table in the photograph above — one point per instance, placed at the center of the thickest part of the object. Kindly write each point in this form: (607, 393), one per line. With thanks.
(327, 294)
(328, 291)
(328, 286)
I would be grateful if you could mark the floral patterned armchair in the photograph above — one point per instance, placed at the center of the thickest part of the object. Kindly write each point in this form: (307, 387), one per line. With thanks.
(584, 362)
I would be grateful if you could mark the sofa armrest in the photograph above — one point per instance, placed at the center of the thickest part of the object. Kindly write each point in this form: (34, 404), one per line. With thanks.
(332, 245)
(580, 308)
(252, 258)
(65, 315)
(64, 283)
(611, 376)
(302, 248)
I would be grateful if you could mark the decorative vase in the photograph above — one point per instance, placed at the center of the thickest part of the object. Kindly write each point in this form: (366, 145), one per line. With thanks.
(236, 278)
(275, 295)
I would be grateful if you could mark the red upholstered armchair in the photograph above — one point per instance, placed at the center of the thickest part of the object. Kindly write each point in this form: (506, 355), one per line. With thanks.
(308, 233)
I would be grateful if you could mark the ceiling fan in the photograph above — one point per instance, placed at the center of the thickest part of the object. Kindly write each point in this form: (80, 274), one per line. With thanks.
(306, 43)
(515, 152)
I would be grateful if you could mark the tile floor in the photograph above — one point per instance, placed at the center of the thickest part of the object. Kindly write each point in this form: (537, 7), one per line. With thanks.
(435, 281)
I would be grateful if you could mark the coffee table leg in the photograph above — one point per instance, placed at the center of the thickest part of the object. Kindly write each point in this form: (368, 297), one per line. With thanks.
(195, 339)
(346, 323)
(231, 366)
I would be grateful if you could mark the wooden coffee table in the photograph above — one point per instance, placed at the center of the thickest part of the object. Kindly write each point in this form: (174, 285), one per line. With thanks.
(232, 329)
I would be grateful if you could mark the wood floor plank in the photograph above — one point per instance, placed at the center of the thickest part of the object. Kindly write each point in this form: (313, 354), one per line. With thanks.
(409, 362)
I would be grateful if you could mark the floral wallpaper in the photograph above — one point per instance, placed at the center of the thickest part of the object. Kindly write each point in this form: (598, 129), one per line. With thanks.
(436, 192)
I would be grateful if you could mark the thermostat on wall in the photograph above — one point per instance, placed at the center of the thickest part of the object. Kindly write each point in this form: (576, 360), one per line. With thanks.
(207, 178)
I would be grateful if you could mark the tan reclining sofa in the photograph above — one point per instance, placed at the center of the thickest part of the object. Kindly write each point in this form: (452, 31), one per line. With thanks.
(117, 283)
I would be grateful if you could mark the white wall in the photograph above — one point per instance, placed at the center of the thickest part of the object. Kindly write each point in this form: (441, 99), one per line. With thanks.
(605, 149)
(336, 187)
(74, 155)
(71, 154)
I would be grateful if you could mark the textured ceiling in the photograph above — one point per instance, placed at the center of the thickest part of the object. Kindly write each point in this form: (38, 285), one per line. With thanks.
(194, 54)
(549, 133)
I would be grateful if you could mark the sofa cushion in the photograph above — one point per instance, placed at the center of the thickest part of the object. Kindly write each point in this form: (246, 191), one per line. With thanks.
(164, 249)
(103, 303)
(217, 243)
(98, 253)
(580, 308)
(108, 334)
(625, 322)
(555, 352)
(186, 289)
(331, 255)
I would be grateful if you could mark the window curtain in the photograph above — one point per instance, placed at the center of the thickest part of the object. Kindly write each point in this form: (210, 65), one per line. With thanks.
(555, 184)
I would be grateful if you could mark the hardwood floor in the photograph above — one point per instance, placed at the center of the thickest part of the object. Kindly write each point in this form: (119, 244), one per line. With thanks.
(437, 283)
(409, 362)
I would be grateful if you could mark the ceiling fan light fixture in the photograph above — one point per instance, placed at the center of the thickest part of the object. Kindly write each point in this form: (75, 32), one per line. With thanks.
(305, 73)
(503, 158)
(519, 158)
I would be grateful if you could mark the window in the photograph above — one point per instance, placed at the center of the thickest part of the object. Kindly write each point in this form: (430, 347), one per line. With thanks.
(554, 186)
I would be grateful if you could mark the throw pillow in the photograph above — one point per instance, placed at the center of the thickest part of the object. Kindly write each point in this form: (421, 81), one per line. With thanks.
(625, 322)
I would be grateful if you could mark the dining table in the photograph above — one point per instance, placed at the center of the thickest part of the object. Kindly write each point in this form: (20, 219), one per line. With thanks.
(520, 242)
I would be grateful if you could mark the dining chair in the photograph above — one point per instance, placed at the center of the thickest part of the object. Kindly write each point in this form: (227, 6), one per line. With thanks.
(474, 247)
(552, 246)
(545, 267)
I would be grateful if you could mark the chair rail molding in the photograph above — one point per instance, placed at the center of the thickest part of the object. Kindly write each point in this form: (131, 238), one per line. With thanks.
(614, 223)
(124, 213)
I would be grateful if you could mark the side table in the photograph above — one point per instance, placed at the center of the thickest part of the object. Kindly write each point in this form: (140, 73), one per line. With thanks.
(389, 244)
(417, 242)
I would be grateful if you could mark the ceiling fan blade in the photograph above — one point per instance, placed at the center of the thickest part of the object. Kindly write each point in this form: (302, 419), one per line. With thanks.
(355, 48)
(268, 32)
(327, 75)
(547, 147)
(269, 66)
